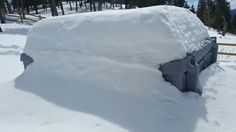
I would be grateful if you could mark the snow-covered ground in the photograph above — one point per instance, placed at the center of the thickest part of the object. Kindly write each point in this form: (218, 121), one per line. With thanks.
(60, 107)
(12, 42)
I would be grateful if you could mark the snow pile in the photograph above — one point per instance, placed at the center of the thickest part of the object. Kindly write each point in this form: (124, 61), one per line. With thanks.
(29, 104)
(119, 50)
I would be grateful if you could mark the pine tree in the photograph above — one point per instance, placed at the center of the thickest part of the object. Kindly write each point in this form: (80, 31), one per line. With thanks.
(186, 5)
(180, 3)
(222, 14)
(234, 23)
(192, 9)
(212, 13)
(8, 7)
(146, 3)
(203, 12)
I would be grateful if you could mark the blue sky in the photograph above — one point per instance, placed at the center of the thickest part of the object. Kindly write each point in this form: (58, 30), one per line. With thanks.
(191, 2)
(232, 3)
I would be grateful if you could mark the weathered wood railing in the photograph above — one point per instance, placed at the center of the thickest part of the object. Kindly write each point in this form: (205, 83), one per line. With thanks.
(226, 53)
(34, 18)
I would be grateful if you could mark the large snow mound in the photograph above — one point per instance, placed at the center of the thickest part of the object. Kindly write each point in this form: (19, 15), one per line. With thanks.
(119, 50)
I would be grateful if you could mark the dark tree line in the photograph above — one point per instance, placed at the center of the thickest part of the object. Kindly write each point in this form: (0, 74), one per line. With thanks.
(23, 7)
(26, 6)
(215, 14)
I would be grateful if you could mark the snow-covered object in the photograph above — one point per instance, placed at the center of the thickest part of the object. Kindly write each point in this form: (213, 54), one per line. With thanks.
(115, 50)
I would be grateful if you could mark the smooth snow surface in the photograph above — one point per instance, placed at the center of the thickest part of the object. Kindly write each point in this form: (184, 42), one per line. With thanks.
(114, 50)
(128, 36)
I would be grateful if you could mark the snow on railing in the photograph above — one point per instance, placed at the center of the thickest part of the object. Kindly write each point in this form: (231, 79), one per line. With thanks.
(184, 73)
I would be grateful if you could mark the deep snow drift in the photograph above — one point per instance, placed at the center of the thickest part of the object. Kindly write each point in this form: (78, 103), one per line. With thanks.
(106, 64)
(114, 50)
(49, 105)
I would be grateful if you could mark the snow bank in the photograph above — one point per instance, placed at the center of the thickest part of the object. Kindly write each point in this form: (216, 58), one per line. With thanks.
(92, 103)
(115, 50)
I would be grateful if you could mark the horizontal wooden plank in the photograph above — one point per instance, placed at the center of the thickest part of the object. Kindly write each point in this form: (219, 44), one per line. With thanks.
(224, 53)
(13, 15)
(31, 19)
(36, 15)
(226, 44)
(18, 21)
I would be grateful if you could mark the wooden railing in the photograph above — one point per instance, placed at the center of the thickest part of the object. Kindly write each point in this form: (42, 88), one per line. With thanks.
(19, 18)
(225, 53)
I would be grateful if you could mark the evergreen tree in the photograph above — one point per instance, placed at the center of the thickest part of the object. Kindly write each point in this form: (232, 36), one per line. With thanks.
(146, 3)
(222, 14)
(212, 13)
(180, 3)
(8, 7)
(203, 11)
(186, 5)
(192, 9)
(234, 23)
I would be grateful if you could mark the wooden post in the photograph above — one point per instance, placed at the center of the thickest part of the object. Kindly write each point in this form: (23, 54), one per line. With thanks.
(40, 17)
(21, 17)
(2, 18)
(22, 9)
(62, 9)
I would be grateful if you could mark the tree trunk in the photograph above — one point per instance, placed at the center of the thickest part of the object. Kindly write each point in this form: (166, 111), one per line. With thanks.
(4, 7)
(23, 9)
(94, 5)
(76, 5)
(18, 7)
(44, 5)
(36, 7)
(99, 5)
(85, 4)
(2, 17)
(9, 7)
(70, 5)
(90, 5)
(2, 13)
(112, 4)
(62, 9)
(0, 29)
(81, 4)
(54, 8)
(27, 8)
(224, 27)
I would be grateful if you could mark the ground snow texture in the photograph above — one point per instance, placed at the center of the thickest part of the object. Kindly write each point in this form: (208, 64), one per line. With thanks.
(40, 103)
